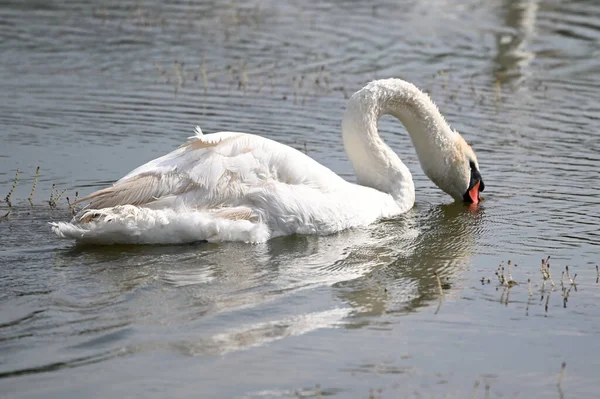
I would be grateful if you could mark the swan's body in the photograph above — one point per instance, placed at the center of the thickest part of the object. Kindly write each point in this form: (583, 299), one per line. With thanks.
(240, 187)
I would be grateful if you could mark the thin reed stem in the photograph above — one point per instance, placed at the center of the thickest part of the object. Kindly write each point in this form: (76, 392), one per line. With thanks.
(35, 180)
(439, 283)
(7, 198)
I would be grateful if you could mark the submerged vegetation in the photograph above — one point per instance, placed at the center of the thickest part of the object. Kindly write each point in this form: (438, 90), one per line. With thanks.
(507, 283)
(7, 198)
(53, 201)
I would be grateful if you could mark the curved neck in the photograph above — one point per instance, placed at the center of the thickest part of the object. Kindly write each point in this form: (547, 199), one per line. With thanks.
(374, 163)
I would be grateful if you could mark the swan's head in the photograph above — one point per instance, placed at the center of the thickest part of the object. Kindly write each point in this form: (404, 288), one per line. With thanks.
(459, 175)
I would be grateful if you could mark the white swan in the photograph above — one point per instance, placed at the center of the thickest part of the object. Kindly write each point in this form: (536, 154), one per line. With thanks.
(240, 187)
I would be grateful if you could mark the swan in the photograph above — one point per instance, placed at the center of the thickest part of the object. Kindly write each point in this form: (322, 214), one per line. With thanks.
(231, 186)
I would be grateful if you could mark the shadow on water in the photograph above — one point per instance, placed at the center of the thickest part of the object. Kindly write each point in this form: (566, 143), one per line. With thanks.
(446, 240)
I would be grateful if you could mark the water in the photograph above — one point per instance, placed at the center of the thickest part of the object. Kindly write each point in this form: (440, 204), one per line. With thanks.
(89, 91)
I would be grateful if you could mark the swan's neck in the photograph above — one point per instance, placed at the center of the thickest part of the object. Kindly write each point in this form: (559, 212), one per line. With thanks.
(375, 164)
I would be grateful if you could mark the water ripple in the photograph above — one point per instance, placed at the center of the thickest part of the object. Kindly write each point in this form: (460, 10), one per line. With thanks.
(91, 90)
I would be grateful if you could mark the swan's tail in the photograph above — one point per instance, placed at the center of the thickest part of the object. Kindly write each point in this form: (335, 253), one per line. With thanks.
(128, 224)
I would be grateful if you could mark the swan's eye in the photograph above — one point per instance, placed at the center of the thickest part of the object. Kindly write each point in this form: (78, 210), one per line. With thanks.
(472, 165)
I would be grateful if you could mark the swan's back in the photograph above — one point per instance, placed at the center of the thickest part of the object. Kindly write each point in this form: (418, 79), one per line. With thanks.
(213, 171)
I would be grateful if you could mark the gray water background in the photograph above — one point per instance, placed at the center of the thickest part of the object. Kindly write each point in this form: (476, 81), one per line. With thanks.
(90, 90)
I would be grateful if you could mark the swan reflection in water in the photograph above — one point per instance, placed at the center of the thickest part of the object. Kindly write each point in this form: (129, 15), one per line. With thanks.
(234, 296)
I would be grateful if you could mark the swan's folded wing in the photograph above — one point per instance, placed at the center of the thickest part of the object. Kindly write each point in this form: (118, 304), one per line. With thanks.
(138, 190)
(214, 170)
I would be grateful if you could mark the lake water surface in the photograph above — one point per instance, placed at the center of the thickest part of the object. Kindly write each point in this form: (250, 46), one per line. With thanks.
(91, 89)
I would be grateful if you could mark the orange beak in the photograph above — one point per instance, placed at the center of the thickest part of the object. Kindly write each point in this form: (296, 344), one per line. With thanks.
(474, 193)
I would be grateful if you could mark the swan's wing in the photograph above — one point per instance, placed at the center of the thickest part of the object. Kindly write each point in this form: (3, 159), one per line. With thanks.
(213, 171)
